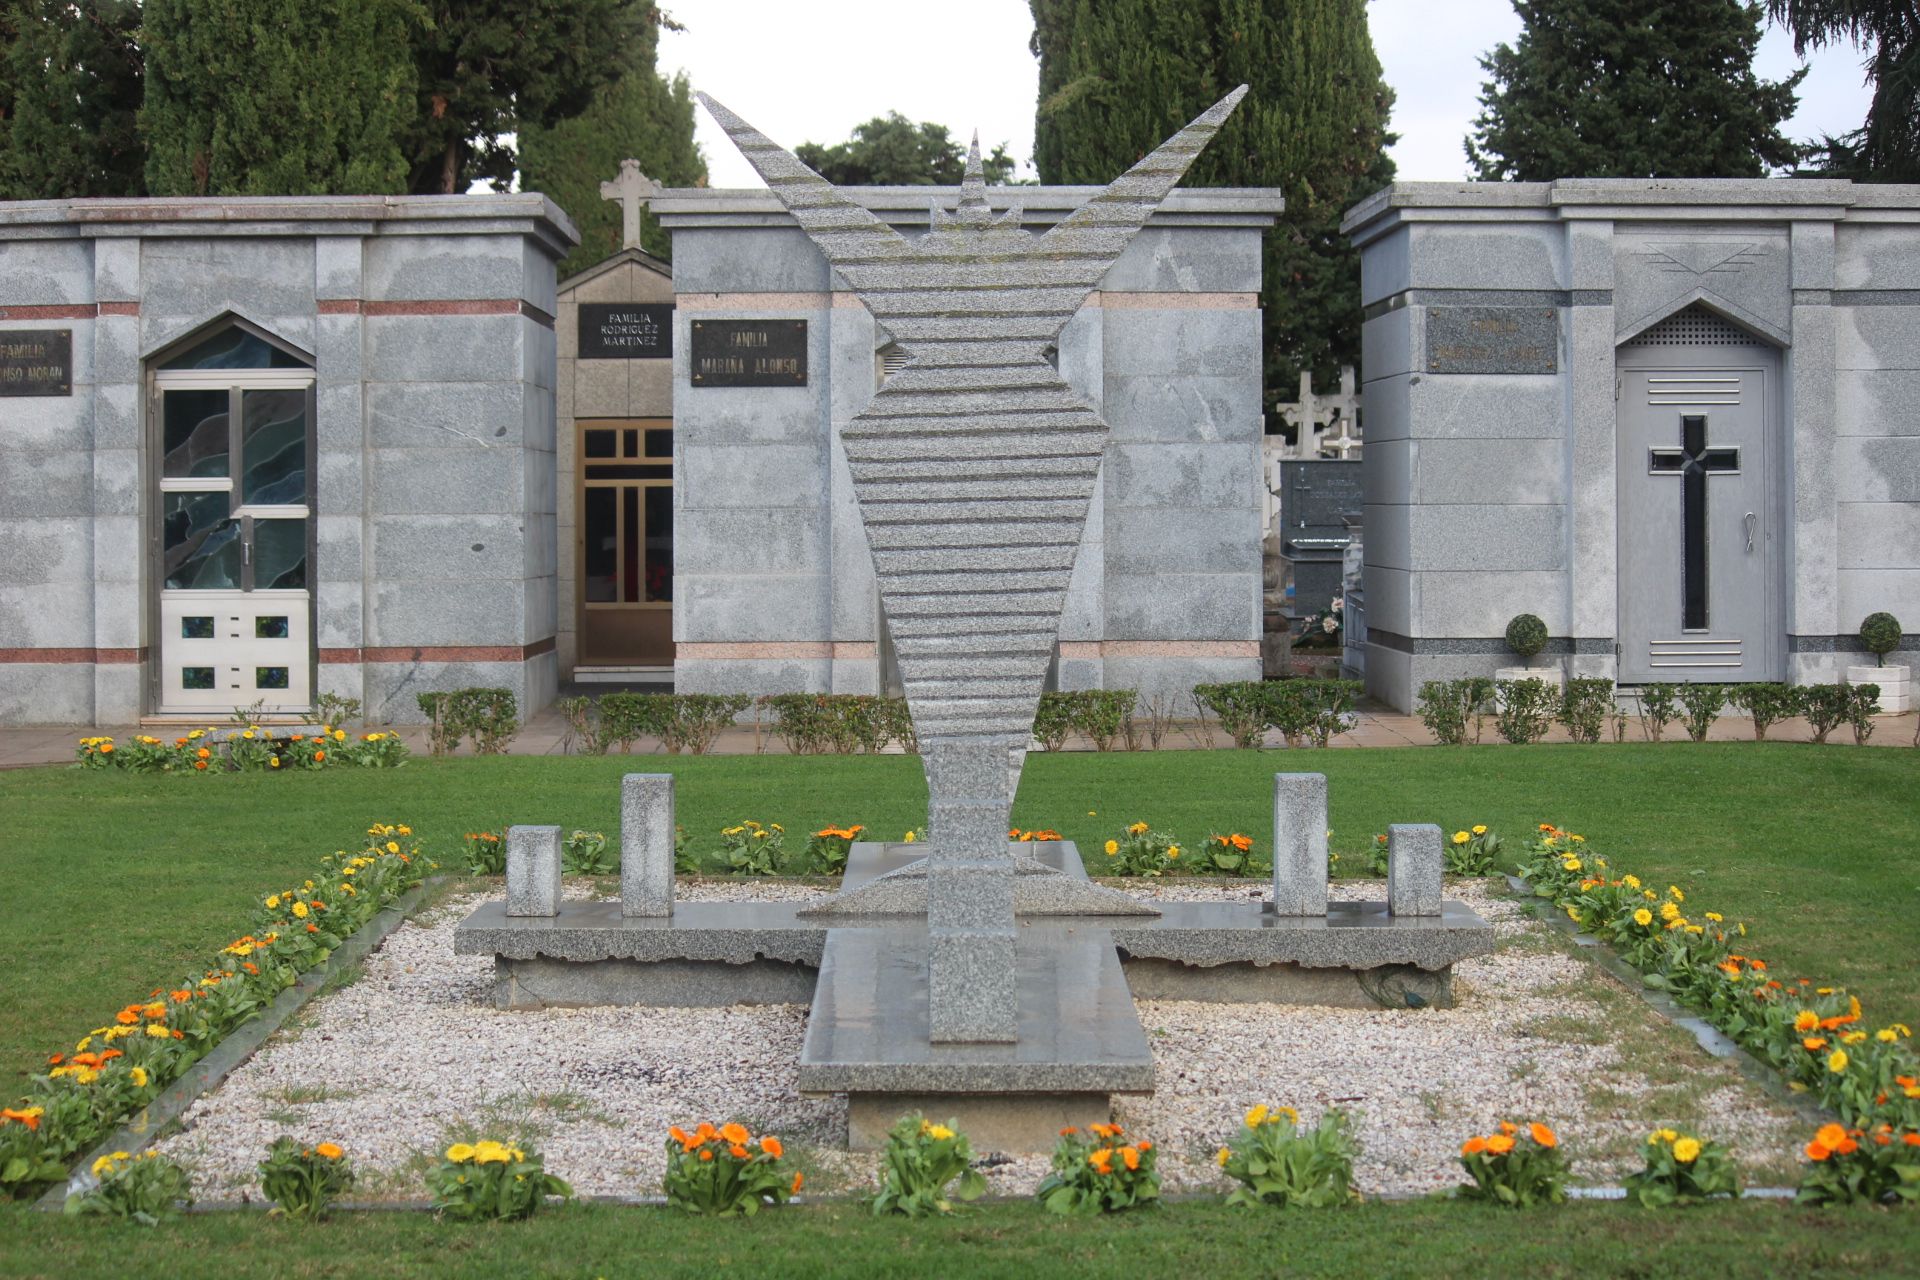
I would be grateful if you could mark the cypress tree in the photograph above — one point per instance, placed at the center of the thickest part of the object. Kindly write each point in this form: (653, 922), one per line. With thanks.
(640, 115)
(70, 86)
(276, 97)
(1631, 89)
(1118, 76)
(1887, 147)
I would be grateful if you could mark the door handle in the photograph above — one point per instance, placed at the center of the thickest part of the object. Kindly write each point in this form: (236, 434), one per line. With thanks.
(1749, 520)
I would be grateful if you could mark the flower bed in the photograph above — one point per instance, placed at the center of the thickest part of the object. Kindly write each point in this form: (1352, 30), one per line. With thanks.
(118, 1068)
(1813, 1034)
(212, 750)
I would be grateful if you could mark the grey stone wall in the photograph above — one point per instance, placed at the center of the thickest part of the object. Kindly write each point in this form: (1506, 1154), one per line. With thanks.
(429, 322)
(1490, 494)
(774, 585)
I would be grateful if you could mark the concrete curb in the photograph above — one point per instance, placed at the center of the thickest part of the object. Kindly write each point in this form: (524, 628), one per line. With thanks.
(146, 1125)
(1711, 1038)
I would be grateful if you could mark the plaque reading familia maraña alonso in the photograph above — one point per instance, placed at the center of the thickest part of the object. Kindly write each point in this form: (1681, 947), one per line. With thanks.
(1493, 340)
(749, 353)
(626, 330)
(36, 362)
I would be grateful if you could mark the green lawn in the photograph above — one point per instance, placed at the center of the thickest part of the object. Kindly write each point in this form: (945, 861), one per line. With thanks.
(1423, 1238)
(115, 884)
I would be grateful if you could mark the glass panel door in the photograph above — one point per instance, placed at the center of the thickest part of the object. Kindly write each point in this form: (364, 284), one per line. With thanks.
(626, 542)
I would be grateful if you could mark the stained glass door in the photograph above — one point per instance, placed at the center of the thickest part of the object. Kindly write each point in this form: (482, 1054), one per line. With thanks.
(233, 418)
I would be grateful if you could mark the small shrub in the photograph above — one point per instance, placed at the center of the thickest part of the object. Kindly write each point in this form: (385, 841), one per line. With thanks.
(484, 853)
(721, 1172)
(487, 716)
(1526, 709)
(1095, 1172)
(1452, 710)
(1101, 714)
(334, 709)
(583, 725)
(1768, 703)
(819, 723)
(1228, 855)
(827, 850)
(1584, 707)
(145, 1188)
(749, 849)
(1682, 1169)
(921, 1159)
(1518, 1166)
(693, 720)
(685, 861)
(1471, 852)
(1142, 851)
(490, 1180)
(1880, 633)
(587, 853)
(1851, 1166)
(1240, 706)
(626, 717)
(1702, 703)
(1526, 636)
(1825, 706)
(1863, 703)
(443, 734)
(1053, 721)
(1659, 707)
(302, 1181)
(1149, 723)
(31, 1149)
(1310, 710)
(379, 750)
(1278, 1163)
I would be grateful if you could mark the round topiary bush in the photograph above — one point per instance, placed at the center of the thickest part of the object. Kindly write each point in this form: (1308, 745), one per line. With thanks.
(1526, 636)
(1880, 632)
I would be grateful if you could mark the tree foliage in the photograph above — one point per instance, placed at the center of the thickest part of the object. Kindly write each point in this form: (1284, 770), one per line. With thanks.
(70, 86)
(275, 97)
(640, 115)
(1117, 77)
(1631, 89)
(893, 151)
(1887, 147)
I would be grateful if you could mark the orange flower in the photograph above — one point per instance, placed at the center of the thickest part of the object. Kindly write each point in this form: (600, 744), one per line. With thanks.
(1813, 1044)
(679, 1135)
(735, 1133)
(181, 996)
(1499, 1144)
(127, 1016)
(108, 1055)
(1101, 1160)
(1543, 1135)
(1830, 1136)
(1847, 1147)
(28, 1116)
(1817, 1152)
(1069, 1131)
(1805, 1021)
(203, 753)
(1473, 1146)
(706, 1153)
(318, 756)
(798, 1178)
(155, 1010)
(1509, 1128)
(771, 1145)
(200, 764)
(1130, 1158)
(738, 1152)
(328, 1151)
(1145, 1145)
(706, 1132)
(1912, 1139)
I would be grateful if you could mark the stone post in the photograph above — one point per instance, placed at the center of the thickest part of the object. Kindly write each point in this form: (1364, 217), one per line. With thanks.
(1414, 862)
(646, 844)
(1299, 844)
(533, 871)
(972, 989)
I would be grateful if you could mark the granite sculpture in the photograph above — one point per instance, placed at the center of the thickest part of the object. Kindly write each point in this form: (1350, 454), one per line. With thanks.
(973, 468)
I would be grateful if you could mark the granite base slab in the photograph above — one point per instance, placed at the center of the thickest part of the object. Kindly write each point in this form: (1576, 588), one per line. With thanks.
(540, 983)
(1011, 1123)
(1385, 987)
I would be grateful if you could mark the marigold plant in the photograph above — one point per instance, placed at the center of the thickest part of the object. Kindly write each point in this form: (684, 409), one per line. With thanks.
(922, 1160)
(1682, 1169)
(1098, 1171)
(725, 1171)
(145, 1188)
(490, 1179)
(1277, 1162)
(749, 849)
(1142, 851)
(587, 853)
(301, 1180)
(1872, 1166)
(484, 853)
(1473, 851)
(827, 850)
(1517, 1165)
(1228, 855)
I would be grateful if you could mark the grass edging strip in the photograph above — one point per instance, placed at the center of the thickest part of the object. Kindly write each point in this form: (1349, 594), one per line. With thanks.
(226, 1057)
(1710, 1037)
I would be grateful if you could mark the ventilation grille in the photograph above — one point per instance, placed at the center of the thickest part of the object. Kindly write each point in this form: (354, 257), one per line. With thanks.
(1695, 327)
(887, 361)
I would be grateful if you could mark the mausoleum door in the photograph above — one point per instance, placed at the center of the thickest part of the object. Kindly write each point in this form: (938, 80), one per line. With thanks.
(1699, 539)
(625, 552)
(233, 538)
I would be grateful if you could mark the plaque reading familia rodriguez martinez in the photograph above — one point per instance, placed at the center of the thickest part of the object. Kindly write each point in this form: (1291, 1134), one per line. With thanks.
(626, 330)
(36, 362)
(749, 353)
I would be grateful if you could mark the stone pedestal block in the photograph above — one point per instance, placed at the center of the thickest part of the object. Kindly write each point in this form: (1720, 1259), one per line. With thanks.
(1896, 694)
(533, 871)
(1415, 860)
(646, 844)
(1300, 844)
(973, 994)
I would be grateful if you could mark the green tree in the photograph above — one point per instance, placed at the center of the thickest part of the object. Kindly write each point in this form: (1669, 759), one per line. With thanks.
(1631, 89)
(1118, 76)
(641, 116)
(893, 151)
(70, 86)
(276, 97)
(487, 69)
(1887, 147)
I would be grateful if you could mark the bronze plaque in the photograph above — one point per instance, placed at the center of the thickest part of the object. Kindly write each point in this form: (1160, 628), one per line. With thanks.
(36, 362)
(1493, 340)
(749, 353)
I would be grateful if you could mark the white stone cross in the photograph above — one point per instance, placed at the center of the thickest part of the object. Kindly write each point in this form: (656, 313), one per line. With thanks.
(632, 189)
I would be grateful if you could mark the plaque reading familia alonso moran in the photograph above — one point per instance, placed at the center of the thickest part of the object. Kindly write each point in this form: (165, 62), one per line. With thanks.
(1493, 340)
(749, 353)
(36, 362)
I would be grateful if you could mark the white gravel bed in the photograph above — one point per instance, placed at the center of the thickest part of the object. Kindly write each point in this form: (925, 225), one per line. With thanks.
(413, 1056)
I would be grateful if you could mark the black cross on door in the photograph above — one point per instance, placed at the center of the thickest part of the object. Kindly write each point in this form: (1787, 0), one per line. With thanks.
(1693, 461)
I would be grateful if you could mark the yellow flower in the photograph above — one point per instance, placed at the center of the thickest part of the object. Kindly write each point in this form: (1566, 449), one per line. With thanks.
(1480, 831)
(1643, 917)
(139, 1077)
(910, 837)
(158, 1030)
(1573, 915)
(1678, 896)
(1113, 847)
(393, 846)
(1221, 1157)
(339, 735)
(1571, 864)
(1137, 829)
(1715, 916)
(1173, 851)
(1669, 912)
(488, 1151)
(273, 903)
(300, 910)
(939, 1132)
(1837, 1061)
(1257, 1116)
(248, 735)
(1461, 837)
(1687, 1150)
(105, 1163)
(460, 1153)
(1632, 882)
(1886, 1035)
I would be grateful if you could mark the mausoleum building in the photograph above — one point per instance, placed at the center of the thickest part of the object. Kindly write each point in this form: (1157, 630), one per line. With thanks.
(1677, 420)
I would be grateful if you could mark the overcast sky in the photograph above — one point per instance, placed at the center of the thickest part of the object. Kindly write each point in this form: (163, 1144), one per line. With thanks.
(809, 72)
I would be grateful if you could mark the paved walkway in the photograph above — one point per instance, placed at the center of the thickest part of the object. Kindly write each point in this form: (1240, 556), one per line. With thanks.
(546, 734)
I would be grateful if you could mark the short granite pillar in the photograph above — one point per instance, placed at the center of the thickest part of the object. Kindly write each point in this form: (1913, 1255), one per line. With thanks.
(533, 871)
(972, 991)
(646, 844)
(1299, 844)
(1414, 863)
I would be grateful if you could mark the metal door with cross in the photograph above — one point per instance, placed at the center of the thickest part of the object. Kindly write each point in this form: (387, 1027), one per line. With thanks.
(1700, 599)
(232, 421)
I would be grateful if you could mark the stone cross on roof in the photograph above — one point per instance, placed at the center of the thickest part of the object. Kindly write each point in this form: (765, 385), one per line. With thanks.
(633, 189)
